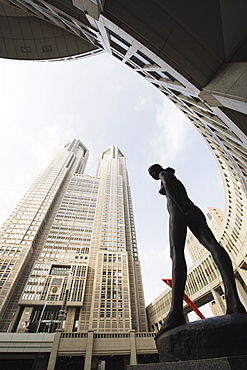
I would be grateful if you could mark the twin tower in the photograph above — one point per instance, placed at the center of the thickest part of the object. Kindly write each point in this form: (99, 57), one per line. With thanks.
(71, 240)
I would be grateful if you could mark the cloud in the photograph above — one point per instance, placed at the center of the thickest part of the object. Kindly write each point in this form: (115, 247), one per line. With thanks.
(143, 102)
(172, 136)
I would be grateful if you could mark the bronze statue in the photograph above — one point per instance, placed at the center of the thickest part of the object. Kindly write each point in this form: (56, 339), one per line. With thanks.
(183, 213)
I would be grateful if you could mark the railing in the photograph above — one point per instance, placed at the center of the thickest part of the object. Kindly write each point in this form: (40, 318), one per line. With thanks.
(74, 335)
(108, 335)
(111, 335)
(145, 335)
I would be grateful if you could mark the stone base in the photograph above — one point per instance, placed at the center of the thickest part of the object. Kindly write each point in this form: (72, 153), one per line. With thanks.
(216, 337)
(224, 363)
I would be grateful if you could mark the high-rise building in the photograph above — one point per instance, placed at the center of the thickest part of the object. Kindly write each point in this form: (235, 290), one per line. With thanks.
(71, 241)
(214, 217)
(204, 283)
(156, 39)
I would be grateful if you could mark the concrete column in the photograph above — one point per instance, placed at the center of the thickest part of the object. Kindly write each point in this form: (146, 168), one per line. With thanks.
(186, 318)
(102, 365)
(70, 317)
(40, 361)
(90, 7)
(228, 88)
(25, 317)
(89, 351)
(54, 351)
(241, 293)
(133, 359)
(242, 289)
(219, 302)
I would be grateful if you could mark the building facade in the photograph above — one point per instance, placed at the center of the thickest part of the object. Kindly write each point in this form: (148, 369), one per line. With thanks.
(69, 257)
(73, 234)
(204, 284)
(214, 217)
(194, 54)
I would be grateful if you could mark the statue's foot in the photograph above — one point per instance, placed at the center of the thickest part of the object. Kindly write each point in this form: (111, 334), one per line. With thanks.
(235, 308)
(172, 321)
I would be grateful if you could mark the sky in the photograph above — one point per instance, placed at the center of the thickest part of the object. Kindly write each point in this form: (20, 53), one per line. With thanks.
(101, 101)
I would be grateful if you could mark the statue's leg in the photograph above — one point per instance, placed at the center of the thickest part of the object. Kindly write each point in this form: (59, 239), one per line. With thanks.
(177, 235)
(202, 232)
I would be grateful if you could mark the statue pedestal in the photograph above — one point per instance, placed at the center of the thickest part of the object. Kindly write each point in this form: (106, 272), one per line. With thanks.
(214, 343)
(224, 363)
(221, 336)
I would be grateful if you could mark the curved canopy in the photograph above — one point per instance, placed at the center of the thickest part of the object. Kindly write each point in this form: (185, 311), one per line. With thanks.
(24, 36)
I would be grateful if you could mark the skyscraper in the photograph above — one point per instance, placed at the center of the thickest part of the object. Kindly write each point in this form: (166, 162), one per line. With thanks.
(214, 217)
(155, 39)
(72, 239)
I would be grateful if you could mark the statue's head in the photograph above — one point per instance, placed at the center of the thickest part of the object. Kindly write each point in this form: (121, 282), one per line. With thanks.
(155, 170)
(169, 169)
